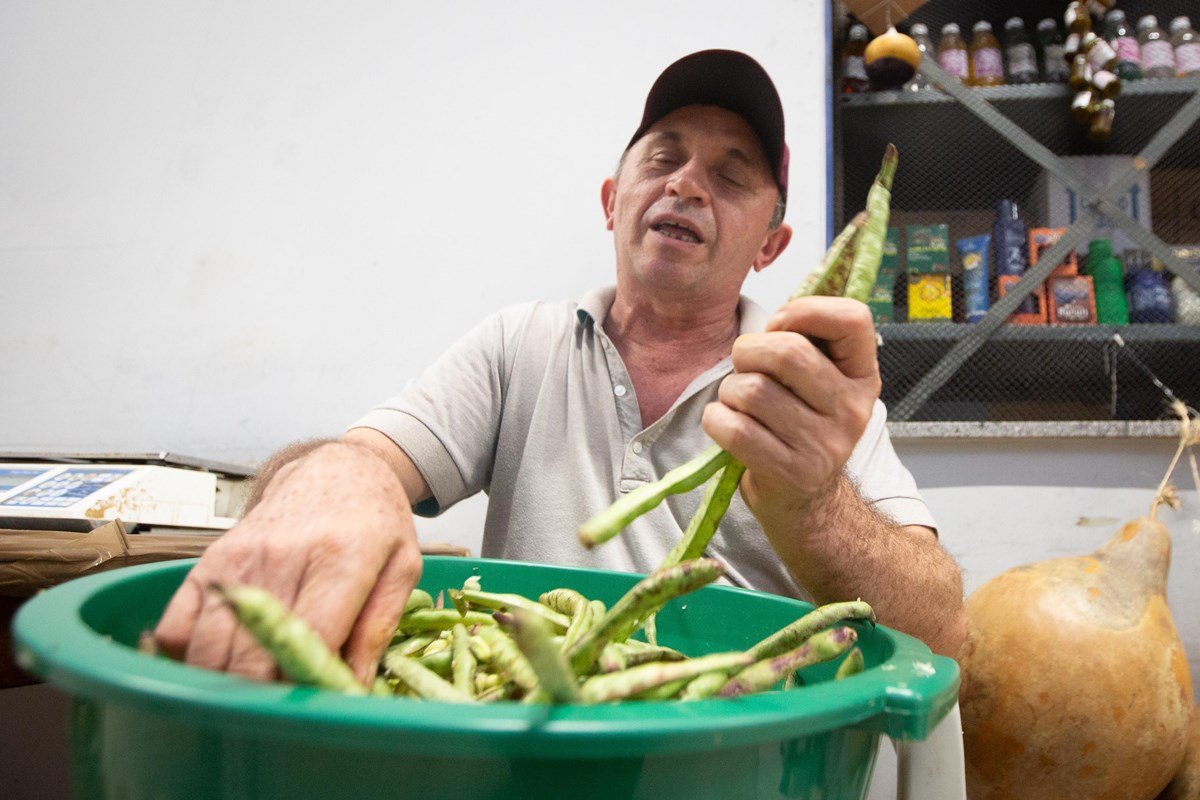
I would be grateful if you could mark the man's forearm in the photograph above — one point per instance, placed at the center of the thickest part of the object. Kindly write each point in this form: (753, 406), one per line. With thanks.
(270, 467)
(842, 549)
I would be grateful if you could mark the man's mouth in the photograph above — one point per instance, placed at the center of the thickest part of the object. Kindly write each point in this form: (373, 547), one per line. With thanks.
(678, 231)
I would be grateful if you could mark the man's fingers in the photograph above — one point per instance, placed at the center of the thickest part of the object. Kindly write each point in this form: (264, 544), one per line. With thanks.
(746, 439)
(775, 407)
(174, 629)
(844, 325)
(377, 621)
(212, 638)
(796, 363)
(248, 659)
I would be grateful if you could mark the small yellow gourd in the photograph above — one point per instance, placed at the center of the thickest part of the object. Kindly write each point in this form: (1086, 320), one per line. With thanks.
(892, 59)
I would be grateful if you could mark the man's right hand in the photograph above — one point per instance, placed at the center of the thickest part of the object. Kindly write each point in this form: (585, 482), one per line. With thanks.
(332, 538)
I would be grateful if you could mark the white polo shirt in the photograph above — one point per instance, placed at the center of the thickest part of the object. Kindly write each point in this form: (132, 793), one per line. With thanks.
(534, 406)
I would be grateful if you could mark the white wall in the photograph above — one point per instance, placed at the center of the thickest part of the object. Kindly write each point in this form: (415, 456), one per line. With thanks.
(228, 225)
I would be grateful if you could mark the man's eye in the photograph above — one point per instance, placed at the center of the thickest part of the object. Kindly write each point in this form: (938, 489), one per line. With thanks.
(732, 180)
(663, 160)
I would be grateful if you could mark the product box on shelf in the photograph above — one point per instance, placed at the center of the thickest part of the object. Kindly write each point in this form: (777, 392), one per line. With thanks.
(1071, 300)
(889, 265)
(1040, 239)
(1056, 205)
(927, 249)
(929, 298)
(880, 302)
(1038, 316)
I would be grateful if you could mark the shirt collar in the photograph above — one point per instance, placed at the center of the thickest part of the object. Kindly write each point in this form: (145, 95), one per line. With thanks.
(595, 306)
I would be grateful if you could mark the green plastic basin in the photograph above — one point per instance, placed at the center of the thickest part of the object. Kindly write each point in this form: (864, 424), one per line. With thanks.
(148, 727)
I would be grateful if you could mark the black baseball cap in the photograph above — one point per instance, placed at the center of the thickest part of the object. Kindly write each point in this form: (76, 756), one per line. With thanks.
(733, 81)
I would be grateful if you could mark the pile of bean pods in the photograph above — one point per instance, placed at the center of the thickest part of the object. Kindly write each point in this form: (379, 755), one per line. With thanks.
(560, 648)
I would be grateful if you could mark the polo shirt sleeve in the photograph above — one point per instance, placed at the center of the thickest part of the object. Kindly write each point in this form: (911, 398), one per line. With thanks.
(448, 420)
(883, 481)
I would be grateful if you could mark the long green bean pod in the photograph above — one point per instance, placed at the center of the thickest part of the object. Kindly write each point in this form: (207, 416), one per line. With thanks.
(564, 601)
(704, 686)
(442, 619)
(829, 278)
(298, 650)
(507, 602)
(850, 666)
(422, 680)
(507, 658)
(651, 592)
(764, 674)
(534, 637)
(644, 655)
(667, 691)
(636, 680)
(580, 622)
(417, 600)
(411, 645)
(793, 635)
(704, 522)
(611, 521)
(612, 659)
(439, 661)
(463, 663)
(869, 249)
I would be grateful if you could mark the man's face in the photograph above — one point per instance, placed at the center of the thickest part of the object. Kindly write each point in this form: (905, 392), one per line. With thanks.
(692, 205)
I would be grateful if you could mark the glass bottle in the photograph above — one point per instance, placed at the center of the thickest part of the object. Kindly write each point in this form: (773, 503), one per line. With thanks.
(986, 63)
(854, 67)
(1187, 47)
(952, 52)
(1123, 40)
(1019, 55)
(1158, 56)
(1052, 63)
(920, 34)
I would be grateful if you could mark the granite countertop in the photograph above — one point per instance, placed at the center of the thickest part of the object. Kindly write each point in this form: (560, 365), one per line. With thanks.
(1064, 429)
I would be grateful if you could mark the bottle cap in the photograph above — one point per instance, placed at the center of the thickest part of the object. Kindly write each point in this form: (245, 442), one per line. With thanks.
(1047, 24)
(1116, 15)
(858, 32)
(1014, 22)
(1180, 24)
(1147, 22)
(951, 28)
(981, 26)
(919, 29)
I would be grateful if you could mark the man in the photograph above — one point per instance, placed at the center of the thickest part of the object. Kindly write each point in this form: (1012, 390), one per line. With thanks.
(555, 409)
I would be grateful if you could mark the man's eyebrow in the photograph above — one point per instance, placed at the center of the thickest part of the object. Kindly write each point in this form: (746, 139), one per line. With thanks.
(739, 155)
(670, 136)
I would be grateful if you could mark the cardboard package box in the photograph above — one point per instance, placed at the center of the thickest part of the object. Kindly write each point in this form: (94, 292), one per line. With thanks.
(1055, 205)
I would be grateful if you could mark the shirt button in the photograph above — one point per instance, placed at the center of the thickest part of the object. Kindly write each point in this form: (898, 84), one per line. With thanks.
(637, 447)
(619, 390)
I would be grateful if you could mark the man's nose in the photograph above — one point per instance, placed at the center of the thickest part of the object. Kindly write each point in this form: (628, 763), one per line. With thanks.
(688, 184)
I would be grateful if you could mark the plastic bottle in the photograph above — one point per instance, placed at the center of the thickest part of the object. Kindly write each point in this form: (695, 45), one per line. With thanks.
(1052, 63)
(987, 65)
(1010, 247)
(952, 52)
(1109, 281)
(854, 68)
(1187, 47)
(1158, 56)
(920, 34)
(1123, 40)
(1019, 56)
(1149, 296)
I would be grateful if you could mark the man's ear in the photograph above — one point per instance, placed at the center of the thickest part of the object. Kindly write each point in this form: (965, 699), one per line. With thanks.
(608, 197)
(775, 243)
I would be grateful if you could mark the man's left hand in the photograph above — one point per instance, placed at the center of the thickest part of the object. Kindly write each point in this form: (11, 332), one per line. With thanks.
(801, 395)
